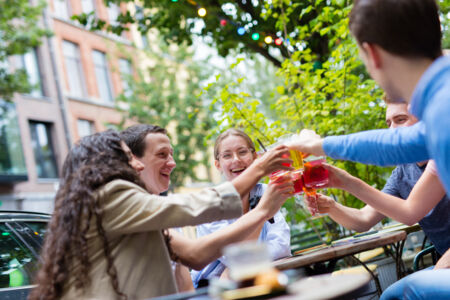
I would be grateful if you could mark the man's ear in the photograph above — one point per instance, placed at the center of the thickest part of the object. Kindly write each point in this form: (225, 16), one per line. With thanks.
(373, 55)
(217, 164)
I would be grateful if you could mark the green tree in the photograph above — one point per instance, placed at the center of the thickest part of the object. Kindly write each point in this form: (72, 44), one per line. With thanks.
(166, 94)
(178, 22)
(324, 85)
(334, 96)
(445, 20)
(19, 33)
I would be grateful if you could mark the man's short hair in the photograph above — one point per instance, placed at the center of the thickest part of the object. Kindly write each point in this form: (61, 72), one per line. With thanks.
(389, 100)
(403, 27)
(134, 137)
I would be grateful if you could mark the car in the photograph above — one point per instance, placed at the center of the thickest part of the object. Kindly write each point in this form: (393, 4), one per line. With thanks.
(21, 238)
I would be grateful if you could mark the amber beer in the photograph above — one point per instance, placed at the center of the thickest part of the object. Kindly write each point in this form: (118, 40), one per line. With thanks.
(297, 160)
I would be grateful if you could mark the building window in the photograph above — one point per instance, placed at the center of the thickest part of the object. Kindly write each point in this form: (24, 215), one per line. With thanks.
(85, 128)
(61, 8)
(139, 15)
(30, 63)
(145, 43)
(74, 68)
(102, 76)
(87, 6)
(113, 13)
(126, 72)
(42, 144)
(12, 161)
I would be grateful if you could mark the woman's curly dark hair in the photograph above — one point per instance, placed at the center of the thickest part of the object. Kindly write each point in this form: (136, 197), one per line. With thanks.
(93, 162)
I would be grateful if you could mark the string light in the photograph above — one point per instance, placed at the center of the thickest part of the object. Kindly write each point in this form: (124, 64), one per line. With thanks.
(268, 39)
(201, 12)
(241, 31)
(255, 36)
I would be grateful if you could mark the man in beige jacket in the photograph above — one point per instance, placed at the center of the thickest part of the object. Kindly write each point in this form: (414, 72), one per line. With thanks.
(151, 145)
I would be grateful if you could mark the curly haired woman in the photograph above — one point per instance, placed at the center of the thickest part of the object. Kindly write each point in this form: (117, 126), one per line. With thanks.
(107, 237)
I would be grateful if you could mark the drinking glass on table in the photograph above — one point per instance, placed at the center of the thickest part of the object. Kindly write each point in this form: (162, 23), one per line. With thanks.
(246, 259)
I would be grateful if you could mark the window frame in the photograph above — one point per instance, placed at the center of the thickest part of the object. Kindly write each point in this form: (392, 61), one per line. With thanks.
(39, 85)
(68, 10)
(42, 157)
(79, 69)
(91, 127)
(103, 67)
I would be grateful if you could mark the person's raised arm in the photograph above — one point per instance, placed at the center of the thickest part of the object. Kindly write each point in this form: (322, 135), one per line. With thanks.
(273, 160)
(381, 147)
(352, 218)
(198, 253)
(425, 195)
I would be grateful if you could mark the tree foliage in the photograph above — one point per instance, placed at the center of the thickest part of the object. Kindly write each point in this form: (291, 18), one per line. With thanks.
(166, 94)
(295, 21)
(178, 22)
(19, 33)
(445, 20)
(324, 86)
(333, 97)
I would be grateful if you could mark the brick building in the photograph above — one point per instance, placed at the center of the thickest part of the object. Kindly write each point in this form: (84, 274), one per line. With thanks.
(77, 74)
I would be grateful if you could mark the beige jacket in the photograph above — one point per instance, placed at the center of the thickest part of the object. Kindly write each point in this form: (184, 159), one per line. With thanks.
(133, 220)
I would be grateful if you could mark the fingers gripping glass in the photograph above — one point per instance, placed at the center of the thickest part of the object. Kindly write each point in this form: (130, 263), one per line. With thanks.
(241, 154)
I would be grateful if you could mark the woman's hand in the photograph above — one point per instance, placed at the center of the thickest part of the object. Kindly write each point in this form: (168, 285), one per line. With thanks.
(337, 177)
(319, 203)
(307, 142)
(276, 193)
(273, 160)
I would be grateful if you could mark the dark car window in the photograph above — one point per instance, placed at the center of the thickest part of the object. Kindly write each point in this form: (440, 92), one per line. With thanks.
(39, 228)
(31, 233)
(17, 263)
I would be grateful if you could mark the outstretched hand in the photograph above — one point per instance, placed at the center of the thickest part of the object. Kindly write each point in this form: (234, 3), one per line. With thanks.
(337, 178)
(274, 160)
(307, 142)
(319, 203)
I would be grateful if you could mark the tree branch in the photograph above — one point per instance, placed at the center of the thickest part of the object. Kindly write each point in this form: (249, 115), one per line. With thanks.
(250, 123)
(264, 53)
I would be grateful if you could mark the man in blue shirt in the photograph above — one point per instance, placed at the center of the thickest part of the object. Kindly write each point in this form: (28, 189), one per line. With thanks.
(400, 44)
(435, 224)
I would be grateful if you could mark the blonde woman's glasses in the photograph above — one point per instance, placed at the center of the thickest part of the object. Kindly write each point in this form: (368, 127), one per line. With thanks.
(241, 154)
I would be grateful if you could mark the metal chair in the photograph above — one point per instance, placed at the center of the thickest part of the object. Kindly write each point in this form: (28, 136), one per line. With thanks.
(419, 257)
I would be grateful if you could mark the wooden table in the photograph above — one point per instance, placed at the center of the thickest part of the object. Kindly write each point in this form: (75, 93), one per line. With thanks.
(336, 252)
(333, 253)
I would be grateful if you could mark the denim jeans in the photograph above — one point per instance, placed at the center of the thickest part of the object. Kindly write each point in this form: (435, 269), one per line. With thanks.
(425, 284)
